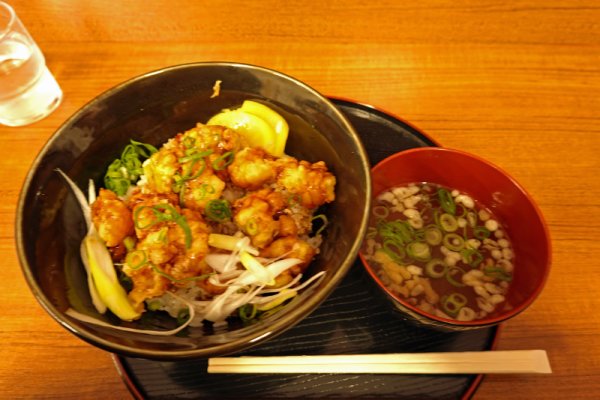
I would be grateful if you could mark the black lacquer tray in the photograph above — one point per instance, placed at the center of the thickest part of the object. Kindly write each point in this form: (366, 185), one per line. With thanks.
(355, 319)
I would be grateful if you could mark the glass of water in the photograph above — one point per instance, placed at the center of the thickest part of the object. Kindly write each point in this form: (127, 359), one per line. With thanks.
(28, 91)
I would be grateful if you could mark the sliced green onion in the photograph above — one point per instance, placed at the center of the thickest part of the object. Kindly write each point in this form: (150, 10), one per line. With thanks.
(381, 211)
(399, 231)
(251, 227)
(454, 241)
(115, 179)
(124, 171)
(129, 243)
(163, 235)
(153, 304)
(471, 256)
(189, 174)
(433, 235)
(143, 149)
(193, 155)
(189, 142)
(448, 222)
(247, 312)
(453, 303)
(177, 183)
(481, 232)
(182, 316)
(205, 189)
(452, 271)
(498, 273)
(419, 251)
(395, 252)
(446, 201)
(223, 161)
(136, 218)
(436, 268)
(218, 210)
(323, 218)
(136, 259)
(164, 213)
(472, 218)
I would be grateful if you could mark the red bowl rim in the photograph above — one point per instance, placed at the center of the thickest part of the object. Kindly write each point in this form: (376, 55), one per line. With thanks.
(480, 322)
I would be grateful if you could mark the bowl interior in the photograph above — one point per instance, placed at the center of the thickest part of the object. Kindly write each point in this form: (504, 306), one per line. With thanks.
(497, 191)
(151, 109)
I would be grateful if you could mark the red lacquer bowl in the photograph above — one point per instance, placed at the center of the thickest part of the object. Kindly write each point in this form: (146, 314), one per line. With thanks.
(495, 190)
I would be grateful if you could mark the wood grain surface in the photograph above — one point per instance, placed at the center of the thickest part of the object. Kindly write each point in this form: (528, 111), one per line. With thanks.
(515, 82)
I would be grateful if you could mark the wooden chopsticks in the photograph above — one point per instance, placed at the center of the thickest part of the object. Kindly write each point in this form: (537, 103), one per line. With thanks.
(476, 362)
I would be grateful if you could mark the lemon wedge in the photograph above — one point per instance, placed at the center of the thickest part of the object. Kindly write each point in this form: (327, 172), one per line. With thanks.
(260, 125)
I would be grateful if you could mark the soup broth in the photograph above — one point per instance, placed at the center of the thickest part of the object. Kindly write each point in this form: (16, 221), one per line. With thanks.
(440, 250)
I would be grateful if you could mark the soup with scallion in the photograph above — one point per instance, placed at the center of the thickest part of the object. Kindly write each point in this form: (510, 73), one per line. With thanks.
(440, 250)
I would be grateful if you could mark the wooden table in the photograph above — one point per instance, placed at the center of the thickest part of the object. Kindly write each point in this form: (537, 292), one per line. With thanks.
(515, 82)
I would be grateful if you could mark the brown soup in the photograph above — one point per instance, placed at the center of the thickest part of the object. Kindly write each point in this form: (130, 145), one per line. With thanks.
(440, 250)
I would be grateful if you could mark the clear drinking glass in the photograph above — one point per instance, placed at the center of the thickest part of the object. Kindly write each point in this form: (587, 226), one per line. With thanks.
(28, 91)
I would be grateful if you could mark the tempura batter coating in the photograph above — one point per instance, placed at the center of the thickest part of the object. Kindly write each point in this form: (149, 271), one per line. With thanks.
(111, 217)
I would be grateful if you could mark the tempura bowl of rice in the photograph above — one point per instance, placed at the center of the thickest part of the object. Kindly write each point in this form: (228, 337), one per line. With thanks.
(454, 242)
(193, 211)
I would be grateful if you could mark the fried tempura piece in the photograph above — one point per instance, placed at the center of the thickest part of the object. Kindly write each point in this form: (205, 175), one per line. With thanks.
(144, 217)
(146, 284)
(311, 183)
(291, 247)
(187, 154)
(255, 215)
(189, 261)
(252, 168)
(197, 192)
(160, 169)
(164, 248)
(111, 217)
(211, 137)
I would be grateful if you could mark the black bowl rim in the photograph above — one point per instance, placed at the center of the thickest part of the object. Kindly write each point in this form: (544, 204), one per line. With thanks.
(289, 320)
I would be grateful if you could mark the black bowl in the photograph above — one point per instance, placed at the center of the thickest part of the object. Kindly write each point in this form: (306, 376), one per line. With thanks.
(152, 108)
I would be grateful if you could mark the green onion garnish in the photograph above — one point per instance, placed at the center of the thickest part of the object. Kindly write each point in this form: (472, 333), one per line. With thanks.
(126, 170)
(418, 251)
(452, 271)
(436, 268)
(481, 232)
(164, 213)
(448, 222)
(454, 241)
(446, 201)
(223, 161)
(218, 210)
(395, 252)
(247, 312)
(251, 227)
(323, 218)
(381, 211)
(453, 303)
